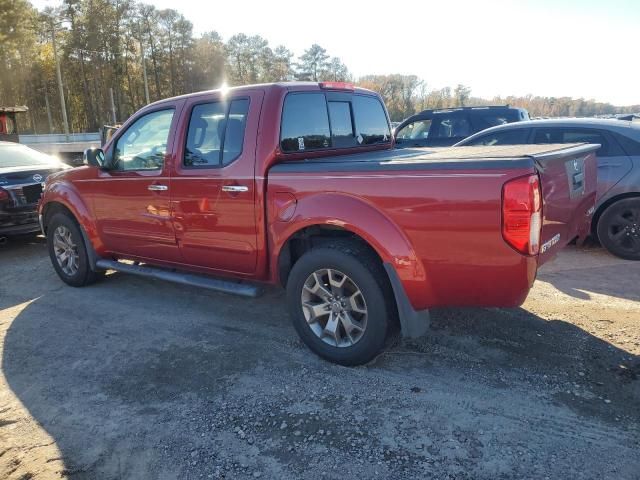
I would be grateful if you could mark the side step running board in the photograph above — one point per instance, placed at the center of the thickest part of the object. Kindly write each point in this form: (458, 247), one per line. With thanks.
(226, 286)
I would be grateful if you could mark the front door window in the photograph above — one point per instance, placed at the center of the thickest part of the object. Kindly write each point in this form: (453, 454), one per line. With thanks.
(144, 144)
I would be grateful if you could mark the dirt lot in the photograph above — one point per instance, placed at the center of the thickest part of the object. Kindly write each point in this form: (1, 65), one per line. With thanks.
(133, 378)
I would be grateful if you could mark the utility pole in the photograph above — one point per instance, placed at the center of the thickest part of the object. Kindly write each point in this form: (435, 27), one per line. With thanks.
(63, 105)
(144, 67)
(33, 122)
(46, 101)
(113, 106)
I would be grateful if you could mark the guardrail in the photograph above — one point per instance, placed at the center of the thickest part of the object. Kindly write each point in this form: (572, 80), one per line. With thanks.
(60, 138)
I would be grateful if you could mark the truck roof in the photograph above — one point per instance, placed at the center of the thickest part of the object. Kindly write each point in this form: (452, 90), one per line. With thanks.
(291, 86)
(479, 108)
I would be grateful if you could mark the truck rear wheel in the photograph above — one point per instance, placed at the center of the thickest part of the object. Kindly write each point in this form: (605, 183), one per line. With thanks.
(619, 229)
(68, 252)
(340, 302)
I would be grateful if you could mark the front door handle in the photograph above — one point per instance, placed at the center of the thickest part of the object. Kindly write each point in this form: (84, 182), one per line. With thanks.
(235, 188)
(157, 188)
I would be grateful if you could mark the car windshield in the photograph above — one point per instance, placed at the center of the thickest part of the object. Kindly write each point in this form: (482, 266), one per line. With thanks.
(16, 155)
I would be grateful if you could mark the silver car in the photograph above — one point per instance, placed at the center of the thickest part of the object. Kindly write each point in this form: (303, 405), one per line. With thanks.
(616, 222)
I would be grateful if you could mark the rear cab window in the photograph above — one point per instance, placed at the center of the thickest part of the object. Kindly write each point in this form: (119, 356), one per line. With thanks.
(314, 121)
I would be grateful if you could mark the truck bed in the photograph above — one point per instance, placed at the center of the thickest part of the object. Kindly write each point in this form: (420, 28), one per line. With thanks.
(448, 158)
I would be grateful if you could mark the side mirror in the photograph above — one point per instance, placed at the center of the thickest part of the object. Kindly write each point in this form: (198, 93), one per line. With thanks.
(94, 157)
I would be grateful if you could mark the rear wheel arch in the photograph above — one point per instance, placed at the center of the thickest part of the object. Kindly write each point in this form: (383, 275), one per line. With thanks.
(314, 236)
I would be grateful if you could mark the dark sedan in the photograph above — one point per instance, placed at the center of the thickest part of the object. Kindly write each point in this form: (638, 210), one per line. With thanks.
(22, 174)
(616, 221)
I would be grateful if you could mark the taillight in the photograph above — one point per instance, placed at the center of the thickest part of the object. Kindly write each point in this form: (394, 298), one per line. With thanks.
(337, 86)
(522, 214)
(4, 195)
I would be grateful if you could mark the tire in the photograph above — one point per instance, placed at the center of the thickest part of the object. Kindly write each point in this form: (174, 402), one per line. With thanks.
(364, 274)
(63, 231)
(619, 229)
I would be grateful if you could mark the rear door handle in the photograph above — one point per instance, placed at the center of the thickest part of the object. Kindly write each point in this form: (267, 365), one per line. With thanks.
(235, 188)
(157, 188)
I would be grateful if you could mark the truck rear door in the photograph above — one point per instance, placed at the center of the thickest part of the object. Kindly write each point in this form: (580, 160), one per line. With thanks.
(568, 179)
(213, 181)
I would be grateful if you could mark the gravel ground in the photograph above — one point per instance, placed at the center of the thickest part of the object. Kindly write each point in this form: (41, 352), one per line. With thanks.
(134, 378)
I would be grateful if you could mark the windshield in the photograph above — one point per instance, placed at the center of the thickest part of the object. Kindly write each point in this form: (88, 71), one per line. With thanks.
(16, 155)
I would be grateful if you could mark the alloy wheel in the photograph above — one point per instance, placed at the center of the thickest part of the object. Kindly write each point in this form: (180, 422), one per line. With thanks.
(624, 230)
(334, 307)
(65, 250)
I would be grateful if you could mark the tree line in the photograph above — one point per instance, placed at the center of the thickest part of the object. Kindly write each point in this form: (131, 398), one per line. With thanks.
(105, 49)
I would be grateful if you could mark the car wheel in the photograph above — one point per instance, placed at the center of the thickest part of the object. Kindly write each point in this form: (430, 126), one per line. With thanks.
(619, 229)
(340, 302)
(68, 252)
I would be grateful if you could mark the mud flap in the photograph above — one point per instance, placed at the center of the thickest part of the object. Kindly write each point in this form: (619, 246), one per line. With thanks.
(414, 323)
(91, 253)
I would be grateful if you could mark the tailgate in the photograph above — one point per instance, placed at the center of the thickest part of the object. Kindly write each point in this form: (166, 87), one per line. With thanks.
(568, 177)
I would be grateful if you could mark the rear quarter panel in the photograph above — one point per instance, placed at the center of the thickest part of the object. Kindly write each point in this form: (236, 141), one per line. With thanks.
(448, 248)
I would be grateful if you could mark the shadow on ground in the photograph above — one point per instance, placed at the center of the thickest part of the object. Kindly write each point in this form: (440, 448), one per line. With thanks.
(141, 379)
(123, 375)
(594, 270)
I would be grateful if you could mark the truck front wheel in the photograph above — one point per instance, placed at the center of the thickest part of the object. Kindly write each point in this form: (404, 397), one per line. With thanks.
(68, 252)
(340, 302)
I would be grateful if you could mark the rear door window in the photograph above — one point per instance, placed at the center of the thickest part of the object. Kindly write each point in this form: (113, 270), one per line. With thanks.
(517, 136)
(418, 130)
(630, 146)
(483, 120)
(234, 131)
(575, 135)
(216, 133)
(316, 121)
(455, 126)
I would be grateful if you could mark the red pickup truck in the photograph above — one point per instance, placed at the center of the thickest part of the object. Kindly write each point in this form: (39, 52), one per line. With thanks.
(298, 184)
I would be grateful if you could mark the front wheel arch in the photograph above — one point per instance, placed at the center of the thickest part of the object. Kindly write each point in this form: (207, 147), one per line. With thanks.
(50, 209)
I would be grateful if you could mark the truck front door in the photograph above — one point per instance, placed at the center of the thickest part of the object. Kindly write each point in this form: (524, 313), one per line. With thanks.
(132, 200)
(213, 184)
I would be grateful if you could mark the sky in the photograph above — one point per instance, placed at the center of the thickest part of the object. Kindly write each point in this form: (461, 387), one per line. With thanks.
(573, 48)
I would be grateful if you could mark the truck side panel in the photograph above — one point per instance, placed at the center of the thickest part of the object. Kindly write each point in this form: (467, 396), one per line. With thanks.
(450, 219)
